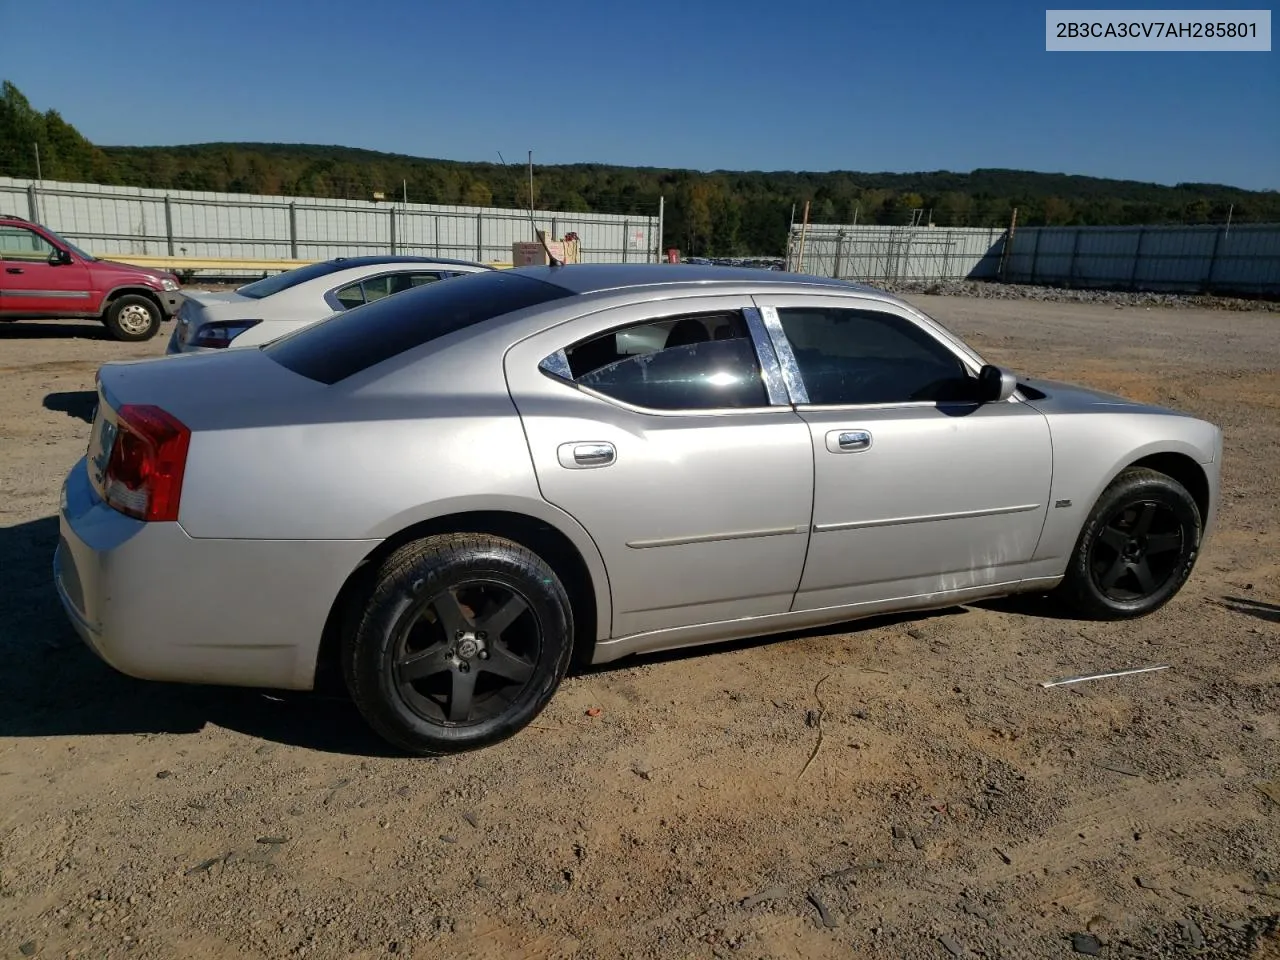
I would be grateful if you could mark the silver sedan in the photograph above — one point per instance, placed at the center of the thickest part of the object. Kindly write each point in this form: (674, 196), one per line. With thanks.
(447, 496)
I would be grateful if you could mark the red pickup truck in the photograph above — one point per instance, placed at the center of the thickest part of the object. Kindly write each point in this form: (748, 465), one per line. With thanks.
(43, 277)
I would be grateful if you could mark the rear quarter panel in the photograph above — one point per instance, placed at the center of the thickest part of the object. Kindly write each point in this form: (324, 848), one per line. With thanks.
(366, 459)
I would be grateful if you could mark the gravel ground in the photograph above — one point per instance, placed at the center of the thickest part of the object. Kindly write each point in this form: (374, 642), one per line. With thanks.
(953, 808)
(986, 290)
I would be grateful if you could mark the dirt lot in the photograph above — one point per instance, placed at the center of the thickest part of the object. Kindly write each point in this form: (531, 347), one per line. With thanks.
(954, 808)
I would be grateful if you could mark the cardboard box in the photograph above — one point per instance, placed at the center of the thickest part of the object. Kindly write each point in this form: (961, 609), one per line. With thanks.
(528, 252)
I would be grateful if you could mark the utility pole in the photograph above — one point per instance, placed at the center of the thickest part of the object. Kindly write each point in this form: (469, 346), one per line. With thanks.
(39, 176)
(405, 185)
(535, 231)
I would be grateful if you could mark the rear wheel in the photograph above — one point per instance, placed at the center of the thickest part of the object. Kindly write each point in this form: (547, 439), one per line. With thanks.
(132, 317)
(462, 643)
(1136, 549)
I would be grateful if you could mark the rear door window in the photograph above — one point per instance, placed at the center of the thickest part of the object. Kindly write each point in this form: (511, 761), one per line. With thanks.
(695, 362)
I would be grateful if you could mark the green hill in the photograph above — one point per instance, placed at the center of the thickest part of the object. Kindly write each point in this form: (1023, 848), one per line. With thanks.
(719, 212)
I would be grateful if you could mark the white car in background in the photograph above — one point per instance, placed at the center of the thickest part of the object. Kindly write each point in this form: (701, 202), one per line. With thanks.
(279, 304)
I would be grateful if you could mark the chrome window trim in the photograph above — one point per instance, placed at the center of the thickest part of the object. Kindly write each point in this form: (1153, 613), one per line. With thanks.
(557, 364)
(798, 392)
(771, 368)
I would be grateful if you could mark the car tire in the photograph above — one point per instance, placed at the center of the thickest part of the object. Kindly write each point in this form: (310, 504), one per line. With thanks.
(1136, 549)
(132, 318)
(462, 642)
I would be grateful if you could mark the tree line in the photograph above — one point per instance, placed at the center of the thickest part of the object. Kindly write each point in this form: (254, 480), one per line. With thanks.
(717, 213)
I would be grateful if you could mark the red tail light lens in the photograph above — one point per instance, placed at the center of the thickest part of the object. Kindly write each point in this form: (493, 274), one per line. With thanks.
(144, 474)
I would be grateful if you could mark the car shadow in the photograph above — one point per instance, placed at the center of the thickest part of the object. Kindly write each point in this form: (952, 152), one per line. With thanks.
(860, 625)
(53, 685)
(74, 403)
(1268, 612)
(54, 330)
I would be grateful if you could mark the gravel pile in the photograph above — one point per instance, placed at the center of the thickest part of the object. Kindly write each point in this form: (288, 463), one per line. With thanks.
(1120, 298)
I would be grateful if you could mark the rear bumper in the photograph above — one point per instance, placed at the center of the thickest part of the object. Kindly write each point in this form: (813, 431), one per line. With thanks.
(157, 604)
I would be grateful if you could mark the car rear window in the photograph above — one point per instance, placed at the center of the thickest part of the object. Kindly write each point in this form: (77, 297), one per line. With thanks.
(349, 342)
(291, 278)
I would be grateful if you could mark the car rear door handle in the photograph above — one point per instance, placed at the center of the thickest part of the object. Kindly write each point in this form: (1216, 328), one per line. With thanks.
(849, 440)
(12, 269)
(579, 456)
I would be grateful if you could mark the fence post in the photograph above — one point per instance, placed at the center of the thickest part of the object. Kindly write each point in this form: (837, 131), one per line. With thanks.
(392, 212)
(436, 231)
(33, 204)
(293, 231)
(835, 272)
(479, 237)
(1137, 259)
(1213, 260)
(662, 203)
(1035, 254)
(1071, 265)
(555, 231)
(168, 223)
(626, 236)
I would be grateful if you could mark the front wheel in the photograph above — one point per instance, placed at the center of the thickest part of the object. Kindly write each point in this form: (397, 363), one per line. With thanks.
(132, 318)
(462, 643)
(1136, 550)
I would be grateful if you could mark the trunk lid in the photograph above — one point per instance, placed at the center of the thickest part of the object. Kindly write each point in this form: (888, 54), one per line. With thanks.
(210, 391)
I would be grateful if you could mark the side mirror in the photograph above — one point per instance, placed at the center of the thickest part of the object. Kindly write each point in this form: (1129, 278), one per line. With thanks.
(59, 257)
(995, 385)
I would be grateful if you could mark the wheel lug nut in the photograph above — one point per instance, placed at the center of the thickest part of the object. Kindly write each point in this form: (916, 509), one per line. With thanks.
(484, 654)
(464, 667)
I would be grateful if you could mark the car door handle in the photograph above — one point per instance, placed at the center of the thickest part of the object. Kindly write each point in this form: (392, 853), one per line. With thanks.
(12, 269)
(578, 456)
(848, 441)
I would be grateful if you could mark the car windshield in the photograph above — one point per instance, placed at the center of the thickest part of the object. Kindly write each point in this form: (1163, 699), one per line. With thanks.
(290, 278)
(70, 246)
(349, 342)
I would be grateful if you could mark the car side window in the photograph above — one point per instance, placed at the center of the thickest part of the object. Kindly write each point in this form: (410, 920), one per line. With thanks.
(375, 288)
(694, 362)
(848, 356)
(19, 243)
(350, 296)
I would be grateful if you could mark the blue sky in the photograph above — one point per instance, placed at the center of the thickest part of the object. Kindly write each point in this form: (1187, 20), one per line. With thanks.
(744, 85)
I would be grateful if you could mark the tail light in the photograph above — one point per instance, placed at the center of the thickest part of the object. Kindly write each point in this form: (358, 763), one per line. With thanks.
(143, 478)
(220, 333)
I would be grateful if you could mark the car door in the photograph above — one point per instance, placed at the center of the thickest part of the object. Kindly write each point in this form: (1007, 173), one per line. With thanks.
(30, 283)
(656, 426)
(919, 490)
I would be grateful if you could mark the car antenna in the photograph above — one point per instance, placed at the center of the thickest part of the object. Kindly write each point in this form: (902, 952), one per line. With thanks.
(551, 257)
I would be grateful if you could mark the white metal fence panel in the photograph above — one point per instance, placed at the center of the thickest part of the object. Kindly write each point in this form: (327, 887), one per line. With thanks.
(132, 220)
(873, 253)
(1242, 258)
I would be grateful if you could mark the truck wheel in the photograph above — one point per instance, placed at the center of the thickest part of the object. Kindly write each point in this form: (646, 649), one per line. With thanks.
(132, 318)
